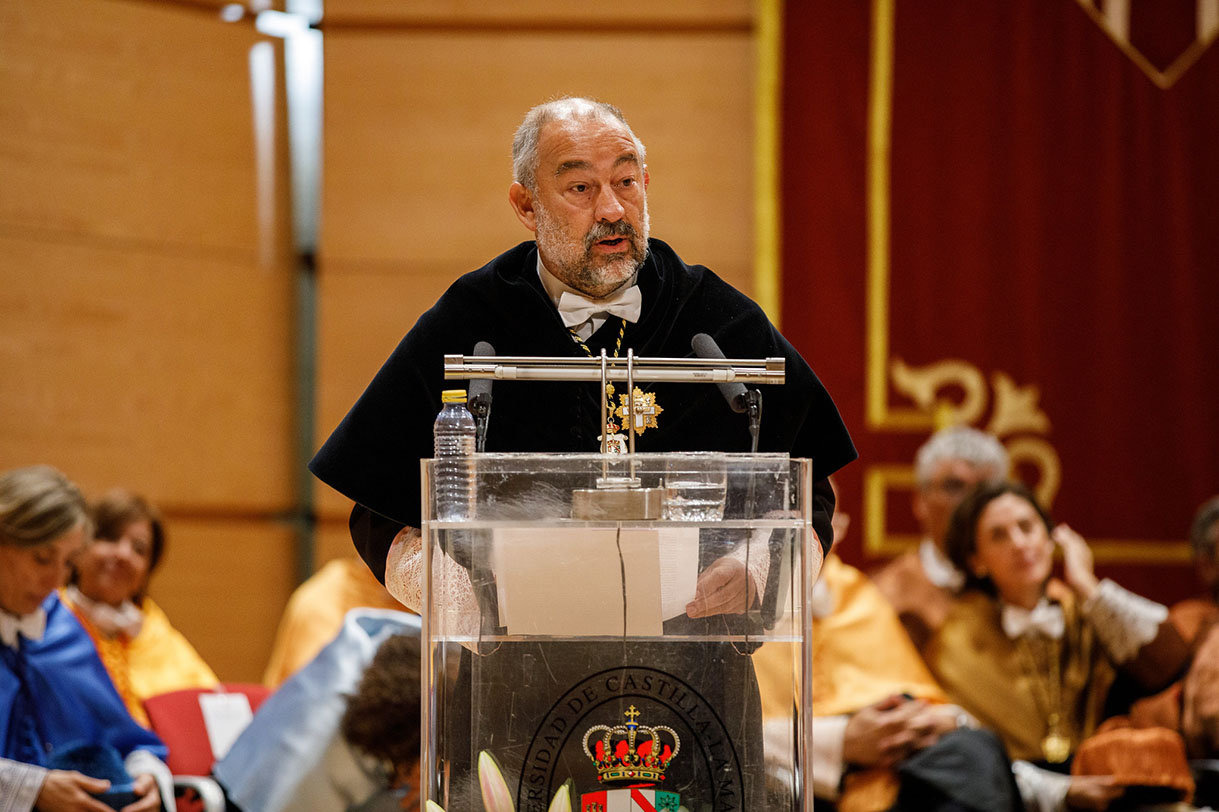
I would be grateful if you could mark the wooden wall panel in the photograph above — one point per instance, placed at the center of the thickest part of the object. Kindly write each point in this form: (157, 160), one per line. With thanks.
(166, 374)
(520, 13)
(364, 310)
(333, 539)
(417, 161)
(127, 121)
(224, 584)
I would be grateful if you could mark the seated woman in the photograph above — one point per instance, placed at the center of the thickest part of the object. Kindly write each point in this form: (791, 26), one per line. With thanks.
(1032, 658)
(55, 696)
(143, 653)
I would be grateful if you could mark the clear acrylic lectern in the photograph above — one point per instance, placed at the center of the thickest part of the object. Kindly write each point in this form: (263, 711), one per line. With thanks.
(598, 620)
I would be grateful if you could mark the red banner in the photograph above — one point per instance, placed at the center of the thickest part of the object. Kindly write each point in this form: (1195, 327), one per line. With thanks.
(1007, 215)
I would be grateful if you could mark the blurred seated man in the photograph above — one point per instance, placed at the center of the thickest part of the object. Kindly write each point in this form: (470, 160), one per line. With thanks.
(874, 706)
(921, 585)
(294, 755)
(1192, 704)
(142, 651)
(55, 697)
(315, 612)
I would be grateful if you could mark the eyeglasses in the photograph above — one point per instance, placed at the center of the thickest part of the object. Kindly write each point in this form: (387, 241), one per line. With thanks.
(949, 486)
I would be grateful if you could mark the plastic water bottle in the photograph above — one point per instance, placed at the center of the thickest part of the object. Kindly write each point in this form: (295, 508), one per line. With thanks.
(453, 435)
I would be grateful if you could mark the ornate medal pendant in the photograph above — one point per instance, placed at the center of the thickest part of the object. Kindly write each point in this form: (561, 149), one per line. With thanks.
(615, 443)
(644, 408)
(1055, 746)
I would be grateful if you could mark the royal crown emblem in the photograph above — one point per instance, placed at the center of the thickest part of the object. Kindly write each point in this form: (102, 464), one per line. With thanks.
(631, 752)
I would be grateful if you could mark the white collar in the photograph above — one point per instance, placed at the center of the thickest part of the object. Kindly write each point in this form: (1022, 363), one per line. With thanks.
(938, 568)
(557, 289)
(127, 619)
(1045, 619)
(31, 626)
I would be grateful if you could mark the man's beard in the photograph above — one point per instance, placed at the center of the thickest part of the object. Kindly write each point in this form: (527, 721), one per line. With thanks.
(597, 275)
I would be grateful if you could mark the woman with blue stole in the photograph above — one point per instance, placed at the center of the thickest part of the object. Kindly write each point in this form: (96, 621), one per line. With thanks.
(68, 741)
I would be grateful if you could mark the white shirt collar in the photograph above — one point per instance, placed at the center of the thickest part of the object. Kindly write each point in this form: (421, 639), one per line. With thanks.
(31, 626)
(938, 568)
(1045, 619)
(126, 619)
(555, 288)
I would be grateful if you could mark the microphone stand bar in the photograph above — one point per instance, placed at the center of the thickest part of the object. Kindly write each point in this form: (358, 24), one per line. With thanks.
(631, 368)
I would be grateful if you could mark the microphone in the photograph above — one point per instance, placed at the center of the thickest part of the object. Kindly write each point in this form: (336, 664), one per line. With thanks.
(740, 399)
(704, 346)
(479, 400)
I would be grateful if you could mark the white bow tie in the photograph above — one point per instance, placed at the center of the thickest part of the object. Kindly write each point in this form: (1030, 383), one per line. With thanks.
(575, 309)
(31, 627)
(1045, 619)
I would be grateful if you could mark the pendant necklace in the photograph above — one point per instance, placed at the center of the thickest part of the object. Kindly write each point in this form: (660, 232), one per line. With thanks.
(1056, 744)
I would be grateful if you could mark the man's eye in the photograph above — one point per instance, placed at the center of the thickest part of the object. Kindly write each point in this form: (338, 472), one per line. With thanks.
(628, 181)
(580, 187)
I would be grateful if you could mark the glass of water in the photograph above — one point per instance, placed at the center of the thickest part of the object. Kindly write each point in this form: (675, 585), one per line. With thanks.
(695, 487)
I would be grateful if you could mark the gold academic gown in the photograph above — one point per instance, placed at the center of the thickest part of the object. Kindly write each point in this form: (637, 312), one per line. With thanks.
(315, 613)
(157, 660)
(994, 678)
(861, 653)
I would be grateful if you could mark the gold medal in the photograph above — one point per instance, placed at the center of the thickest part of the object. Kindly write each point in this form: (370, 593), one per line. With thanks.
(1056, 748)
(645, 408)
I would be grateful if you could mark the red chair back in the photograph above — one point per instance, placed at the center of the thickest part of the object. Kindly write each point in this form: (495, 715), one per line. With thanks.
(177, 718)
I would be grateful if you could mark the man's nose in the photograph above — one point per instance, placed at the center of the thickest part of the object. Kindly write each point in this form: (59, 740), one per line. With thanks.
(609, 207)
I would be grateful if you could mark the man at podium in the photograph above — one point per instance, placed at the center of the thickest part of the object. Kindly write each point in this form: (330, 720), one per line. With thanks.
(591, 279)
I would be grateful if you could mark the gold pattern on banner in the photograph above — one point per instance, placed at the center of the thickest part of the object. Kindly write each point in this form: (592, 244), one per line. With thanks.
(1115, 20)
(953, 391)
(645, 409)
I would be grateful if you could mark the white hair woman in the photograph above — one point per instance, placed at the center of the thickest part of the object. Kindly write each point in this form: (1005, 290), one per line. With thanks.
(60, 715)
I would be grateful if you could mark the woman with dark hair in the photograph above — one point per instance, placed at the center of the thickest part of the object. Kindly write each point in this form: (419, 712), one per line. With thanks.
(144, 654)
(1030, 657)
(63, 725)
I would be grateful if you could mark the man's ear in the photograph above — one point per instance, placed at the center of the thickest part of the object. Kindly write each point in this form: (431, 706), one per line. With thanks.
(521, 200)
(646, 177)
(918, 505)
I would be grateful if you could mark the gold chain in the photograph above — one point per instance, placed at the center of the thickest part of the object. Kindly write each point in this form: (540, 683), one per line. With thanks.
(1056, 745)
(610, 427)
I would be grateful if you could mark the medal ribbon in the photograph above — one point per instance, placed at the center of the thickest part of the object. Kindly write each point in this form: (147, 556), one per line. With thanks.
(610, 427)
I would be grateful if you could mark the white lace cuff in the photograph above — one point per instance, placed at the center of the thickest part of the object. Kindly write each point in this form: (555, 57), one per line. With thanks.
(829, 733)
(755, 555)
(452, 592)
(1124, 621)
(1040, 790)
(20, 784)
(142, 762)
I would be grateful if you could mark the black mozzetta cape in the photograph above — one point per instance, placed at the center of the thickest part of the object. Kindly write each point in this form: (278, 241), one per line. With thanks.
(373, 456)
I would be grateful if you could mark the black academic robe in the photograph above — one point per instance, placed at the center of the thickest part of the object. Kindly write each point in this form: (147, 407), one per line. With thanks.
(541, 697)
(372, 457)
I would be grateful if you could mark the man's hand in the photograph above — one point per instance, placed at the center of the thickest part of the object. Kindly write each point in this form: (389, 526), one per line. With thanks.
(1092, 792)
(724, 588)
(885, 733)
(145, 787)
(70, 791)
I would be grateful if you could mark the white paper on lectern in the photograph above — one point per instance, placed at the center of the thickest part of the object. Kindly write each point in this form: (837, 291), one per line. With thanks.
(569, 582)
(678, 569)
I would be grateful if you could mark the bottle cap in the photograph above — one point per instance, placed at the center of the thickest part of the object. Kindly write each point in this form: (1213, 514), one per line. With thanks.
(453, 396)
